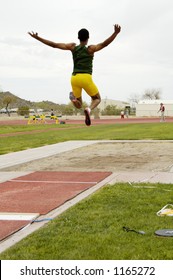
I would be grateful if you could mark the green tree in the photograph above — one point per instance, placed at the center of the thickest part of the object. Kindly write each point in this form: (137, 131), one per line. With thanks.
(111, 110)
(69, 110)
(23, 111)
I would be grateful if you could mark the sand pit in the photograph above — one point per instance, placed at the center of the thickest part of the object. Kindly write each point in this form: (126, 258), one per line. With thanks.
(107, 156)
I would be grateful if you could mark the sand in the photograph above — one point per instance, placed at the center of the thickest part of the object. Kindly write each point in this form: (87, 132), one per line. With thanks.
(107, 156)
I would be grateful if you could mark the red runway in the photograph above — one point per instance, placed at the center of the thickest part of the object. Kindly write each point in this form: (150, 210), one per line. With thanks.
(115, 120)
(9, 227)
(41, 192)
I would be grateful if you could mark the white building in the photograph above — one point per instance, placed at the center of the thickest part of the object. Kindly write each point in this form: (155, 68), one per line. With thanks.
(150, 108)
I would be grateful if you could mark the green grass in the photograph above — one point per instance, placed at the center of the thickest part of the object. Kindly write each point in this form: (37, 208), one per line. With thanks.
(51, 134)
(92, 229)
(24, 128)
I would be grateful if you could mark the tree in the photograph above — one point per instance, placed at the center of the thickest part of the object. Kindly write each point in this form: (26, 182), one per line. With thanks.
(153, 94)
(111, 110)
(23, 111)
(7, 100)
(134, 99)
(69, 110)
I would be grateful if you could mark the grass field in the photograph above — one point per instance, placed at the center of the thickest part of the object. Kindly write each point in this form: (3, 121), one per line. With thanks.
(93, 228)
(44, 135)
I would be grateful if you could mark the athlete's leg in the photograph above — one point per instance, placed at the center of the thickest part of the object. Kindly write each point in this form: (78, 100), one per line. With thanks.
(95, 100)
(75, 96)
(92, 90)
(77, 102)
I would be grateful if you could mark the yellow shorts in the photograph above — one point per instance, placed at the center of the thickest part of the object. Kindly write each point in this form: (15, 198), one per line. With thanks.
(83, 81)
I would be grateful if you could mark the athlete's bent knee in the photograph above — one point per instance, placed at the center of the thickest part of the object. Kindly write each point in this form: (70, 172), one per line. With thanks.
(97, 96)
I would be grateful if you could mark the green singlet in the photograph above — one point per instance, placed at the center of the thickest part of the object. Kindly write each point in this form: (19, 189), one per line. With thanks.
(83, 61)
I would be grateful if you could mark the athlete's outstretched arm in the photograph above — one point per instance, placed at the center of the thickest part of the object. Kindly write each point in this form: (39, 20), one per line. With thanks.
(100, 46)
(62, 46)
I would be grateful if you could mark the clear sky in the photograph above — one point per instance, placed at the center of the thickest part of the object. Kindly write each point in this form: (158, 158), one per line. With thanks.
(140, 58)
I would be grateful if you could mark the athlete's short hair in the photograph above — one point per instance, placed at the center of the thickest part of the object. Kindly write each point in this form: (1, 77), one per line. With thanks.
(83, 34)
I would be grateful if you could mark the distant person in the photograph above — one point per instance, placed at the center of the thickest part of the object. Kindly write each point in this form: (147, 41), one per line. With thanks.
(82, 67)
(52, 113)
(127, 113)
(122, 114)
(162, 110)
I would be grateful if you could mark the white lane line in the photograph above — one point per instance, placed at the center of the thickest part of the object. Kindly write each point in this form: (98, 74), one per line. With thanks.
(5, 216)
(51, 182)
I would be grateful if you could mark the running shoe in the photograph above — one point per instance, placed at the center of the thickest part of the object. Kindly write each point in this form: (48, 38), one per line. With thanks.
(72, 97)
(87, 116)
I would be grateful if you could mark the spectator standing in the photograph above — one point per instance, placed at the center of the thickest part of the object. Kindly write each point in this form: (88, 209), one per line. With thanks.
(162, 110)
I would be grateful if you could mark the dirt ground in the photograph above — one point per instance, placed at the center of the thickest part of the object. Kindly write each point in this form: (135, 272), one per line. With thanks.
(107, 156)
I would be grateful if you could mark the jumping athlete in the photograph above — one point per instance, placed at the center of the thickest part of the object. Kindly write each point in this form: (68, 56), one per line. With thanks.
(82, 67)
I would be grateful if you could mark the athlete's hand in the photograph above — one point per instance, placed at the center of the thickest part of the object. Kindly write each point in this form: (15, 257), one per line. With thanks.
(34, 35)
(117, 28)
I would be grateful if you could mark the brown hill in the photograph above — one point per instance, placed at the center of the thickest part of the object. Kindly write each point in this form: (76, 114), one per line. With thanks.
(17, 102)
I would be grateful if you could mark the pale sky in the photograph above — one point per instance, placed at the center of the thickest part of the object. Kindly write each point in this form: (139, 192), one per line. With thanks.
(140, 58)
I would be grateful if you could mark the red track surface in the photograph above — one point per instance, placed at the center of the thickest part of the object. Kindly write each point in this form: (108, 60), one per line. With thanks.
(41, 192)
(121, 121)
(94, 121)
(9, 227)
